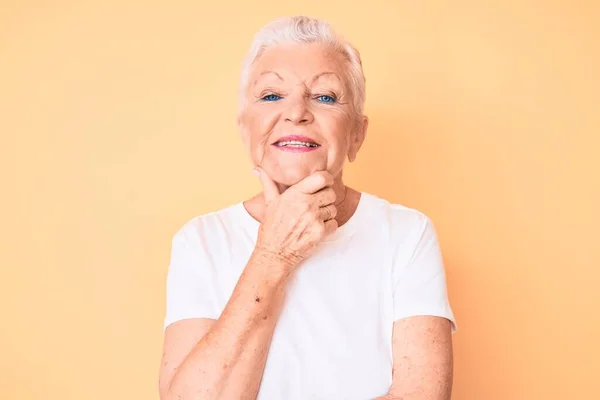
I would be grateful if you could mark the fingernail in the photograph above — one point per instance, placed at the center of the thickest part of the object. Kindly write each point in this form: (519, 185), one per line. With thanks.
(256, 172)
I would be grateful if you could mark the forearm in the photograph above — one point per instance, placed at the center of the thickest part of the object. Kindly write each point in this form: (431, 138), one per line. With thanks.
(409, 397)
(246, 374)
(412, 395)
(230, 358)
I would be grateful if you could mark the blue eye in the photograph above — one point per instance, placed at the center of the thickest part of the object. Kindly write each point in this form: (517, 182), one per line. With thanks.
(271, 97)
(326, 99)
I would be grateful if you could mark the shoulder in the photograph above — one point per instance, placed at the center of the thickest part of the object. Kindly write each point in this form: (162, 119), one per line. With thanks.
(400, 218)
(206, 227)
(403, 230)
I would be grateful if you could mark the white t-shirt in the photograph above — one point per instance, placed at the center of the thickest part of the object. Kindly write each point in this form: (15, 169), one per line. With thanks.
(333, 339)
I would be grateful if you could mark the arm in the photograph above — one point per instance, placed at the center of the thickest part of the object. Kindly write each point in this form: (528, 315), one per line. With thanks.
(230, 357)
(422, 332)
(225, 358)
(423, 359)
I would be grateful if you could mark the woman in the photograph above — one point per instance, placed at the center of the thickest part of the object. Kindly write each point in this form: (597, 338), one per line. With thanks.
(311, 289)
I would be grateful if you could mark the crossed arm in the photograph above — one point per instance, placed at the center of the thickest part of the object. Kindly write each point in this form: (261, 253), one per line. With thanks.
(423, 359)
(422, 353)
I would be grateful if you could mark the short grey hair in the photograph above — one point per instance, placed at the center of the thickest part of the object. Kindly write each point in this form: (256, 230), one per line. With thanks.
(302, 29)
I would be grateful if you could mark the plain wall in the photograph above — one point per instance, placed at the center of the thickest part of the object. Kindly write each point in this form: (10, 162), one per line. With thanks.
(117, 123)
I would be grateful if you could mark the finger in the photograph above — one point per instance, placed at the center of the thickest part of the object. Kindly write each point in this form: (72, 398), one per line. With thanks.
(330, 226)
(315, 182)
(328, 212)
(270, 189)
(325, 196)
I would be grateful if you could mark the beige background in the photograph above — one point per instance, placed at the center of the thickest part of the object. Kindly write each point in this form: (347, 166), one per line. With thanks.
(118, 125)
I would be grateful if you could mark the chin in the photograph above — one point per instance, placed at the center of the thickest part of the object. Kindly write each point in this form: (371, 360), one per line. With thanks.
(290, 176)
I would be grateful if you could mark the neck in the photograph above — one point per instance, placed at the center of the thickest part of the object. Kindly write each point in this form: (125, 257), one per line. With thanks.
(338, 187)
(346, 201)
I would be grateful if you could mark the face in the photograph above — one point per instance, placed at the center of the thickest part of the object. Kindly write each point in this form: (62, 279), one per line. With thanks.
(299, 116)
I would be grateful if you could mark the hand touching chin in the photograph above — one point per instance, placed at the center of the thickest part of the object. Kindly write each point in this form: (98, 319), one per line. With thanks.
(288, 176)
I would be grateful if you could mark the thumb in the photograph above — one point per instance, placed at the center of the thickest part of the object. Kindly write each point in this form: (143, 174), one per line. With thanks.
(270, 189)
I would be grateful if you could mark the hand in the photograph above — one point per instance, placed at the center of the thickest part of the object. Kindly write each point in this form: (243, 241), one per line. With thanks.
(295, 221)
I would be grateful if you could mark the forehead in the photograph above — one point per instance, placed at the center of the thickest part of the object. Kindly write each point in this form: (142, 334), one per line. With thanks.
(302, 62)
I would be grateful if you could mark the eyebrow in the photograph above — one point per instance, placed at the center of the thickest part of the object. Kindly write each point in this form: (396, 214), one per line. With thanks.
(317, 77)
(268, 72)
(325, 73)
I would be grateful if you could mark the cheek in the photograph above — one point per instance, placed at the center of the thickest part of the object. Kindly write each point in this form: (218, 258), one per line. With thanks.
(338, 127)
(258, 129)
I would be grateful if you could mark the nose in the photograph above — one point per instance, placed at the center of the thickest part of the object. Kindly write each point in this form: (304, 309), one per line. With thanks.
(298, 111)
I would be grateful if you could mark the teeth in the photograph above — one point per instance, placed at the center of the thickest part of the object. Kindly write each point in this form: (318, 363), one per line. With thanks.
(296, 143)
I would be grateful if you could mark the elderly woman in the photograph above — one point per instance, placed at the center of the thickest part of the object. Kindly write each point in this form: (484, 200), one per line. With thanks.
(310, 289)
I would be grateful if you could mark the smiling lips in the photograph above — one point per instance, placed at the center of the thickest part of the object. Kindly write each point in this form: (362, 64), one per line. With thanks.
(296, 144)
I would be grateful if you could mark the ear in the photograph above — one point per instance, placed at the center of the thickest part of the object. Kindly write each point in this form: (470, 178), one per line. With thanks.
(360, 133)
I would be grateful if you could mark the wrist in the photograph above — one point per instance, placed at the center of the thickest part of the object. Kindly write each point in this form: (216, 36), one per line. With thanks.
(276, 264)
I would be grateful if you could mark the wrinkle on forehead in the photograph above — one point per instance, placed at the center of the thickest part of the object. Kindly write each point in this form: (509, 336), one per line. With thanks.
(280, 61)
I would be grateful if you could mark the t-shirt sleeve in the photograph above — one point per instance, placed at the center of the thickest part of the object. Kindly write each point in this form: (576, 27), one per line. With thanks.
(420, 284)
(190, 291)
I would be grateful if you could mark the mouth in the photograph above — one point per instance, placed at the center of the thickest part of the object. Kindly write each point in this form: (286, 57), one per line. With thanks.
(296, 142)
